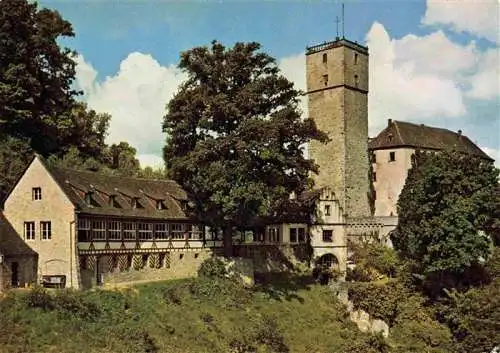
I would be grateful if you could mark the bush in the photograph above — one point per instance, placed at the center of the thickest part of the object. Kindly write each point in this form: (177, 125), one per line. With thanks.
(38, 297)
(270, 336)
(171, 295)
(213, 267)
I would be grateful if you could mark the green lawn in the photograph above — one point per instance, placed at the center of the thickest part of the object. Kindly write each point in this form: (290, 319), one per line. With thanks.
(196, 315)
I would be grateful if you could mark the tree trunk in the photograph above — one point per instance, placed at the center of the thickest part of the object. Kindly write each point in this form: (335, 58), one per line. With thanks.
(227, 235)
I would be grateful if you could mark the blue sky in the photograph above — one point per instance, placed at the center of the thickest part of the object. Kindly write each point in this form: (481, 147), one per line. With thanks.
(431, 62)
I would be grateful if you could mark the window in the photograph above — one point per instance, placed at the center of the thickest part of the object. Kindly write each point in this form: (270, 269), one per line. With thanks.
(297, 235)
(374, 195)
(325, 58)
(160, 205)
(135, 203)
(46, 230)
(374, 176)
(274, 234)
(161, 231)
(88, 198)
(98, 230)
(194, 232)
(84, 230)
(327, 210)
(128, 230)
(29, 230)
(355, 58)
(113, 202)
(374, 158)
(114, 230)
(177, 231)
(356, 81)
(328, 236)
(325, 80)
(36, 193)
(302, 235)
(392, 156)
(145, 231)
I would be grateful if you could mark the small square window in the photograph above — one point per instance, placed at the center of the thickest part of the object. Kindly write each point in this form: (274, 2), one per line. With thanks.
(392, 156)
(327, 210)
(46, 229)
(29, 230)
(328, 236)
(36, 193)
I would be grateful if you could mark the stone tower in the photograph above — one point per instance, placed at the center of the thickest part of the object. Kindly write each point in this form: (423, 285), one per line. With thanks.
(337, 90)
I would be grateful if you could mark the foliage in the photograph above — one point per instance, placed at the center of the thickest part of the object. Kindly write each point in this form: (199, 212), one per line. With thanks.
(474, 317)
(373, 261)
(35, 75)
(15, 154)
(234, 136)
(444, 207)
(380, 300)
(213, 267)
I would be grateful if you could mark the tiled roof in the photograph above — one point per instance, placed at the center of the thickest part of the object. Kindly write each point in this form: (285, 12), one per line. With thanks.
(10, 242)
(403, 134)
(97, 194)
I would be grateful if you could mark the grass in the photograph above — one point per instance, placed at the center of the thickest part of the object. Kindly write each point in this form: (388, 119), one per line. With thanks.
(284, 313)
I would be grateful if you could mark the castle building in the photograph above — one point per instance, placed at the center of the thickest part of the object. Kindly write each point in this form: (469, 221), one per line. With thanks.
(391, 152)
(337, 91)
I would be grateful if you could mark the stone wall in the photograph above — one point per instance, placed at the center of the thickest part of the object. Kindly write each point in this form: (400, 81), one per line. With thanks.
(275, 257)
(27, 271)
(182, 264)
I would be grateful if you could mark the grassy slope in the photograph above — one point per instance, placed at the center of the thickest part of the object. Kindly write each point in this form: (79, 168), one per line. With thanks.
(180, 316)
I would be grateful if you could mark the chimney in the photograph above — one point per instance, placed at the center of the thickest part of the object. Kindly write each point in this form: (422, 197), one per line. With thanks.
(459, 132)
(389, 122)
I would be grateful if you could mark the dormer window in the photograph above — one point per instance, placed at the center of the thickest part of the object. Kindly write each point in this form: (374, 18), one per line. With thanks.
(112, 201)
(160, 205)
(88, 197)
(135, 202)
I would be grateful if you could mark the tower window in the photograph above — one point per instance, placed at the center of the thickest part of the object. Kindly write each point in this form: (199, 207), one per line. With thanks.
(325, 79)
(328, 236)
(374, 176)
(355, 58)
(327, 210)
(325, 58)
(356, 80)
(392, 156)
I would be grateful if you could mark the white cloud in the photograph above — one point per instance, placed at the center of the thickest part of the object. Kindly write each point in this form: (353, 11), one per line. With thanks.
(485, 82)
(404, 82)
(294, 68)
(136, 98)
(476, 17)
(154, 161)
(493, 153)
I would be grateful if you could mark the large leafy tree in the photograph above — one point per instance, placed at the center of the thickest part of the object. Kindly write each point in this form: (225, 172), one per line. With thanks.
(235, 135)
(35, 75)
(446, 212)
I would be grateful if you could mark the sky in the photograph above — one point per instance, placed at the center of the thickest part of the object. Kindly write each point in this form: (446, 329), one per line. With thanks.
(431, 62)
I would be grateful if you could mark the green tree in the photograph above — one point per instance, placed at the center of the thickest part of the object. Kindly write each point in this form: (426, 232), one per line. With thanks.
(15, 153)
(446, 210)
(35, 75)
(122, 158)
(234, 136)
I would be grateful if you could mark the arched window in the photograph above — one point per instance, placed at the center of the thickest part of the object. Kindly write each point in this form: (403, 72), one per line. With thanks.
(325, 58)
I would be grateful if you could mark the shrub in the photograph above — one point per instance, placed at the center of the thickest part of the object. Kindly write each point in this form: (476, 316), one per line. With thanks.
(270, 336)
(171, 295)
(213, 267)
(38, 297)
(75, 304)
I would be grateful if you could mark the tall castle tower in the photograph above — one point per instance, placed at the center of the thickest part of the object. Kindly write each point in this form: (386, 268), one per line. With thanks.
(337, 90)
